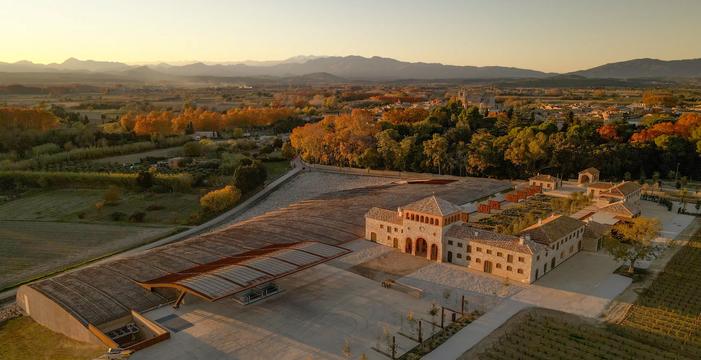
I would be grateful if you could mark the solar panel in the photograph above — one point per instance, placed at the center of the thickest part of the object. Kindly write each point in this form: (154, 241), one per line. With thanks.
(319, 249)
(210, 285)
(299, 258)
(241, 274)
(270, 265)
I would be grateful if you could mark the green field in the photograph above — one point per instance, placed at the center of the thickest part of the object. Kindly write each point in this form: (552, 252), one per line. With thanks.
(78, 205)
(29, 249)
(276, 169)
(22, 336)
(663, 323)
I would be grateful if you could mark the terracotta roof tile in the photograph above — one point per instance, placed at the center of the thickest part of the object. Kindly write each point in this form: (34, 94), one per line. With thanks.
(384, 215)
(432, 205)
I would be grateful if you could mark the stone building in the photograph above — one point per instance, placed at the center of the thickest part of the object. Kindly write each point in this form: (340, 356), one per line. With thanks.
(588, 176)
(438, 230)
(546, 182)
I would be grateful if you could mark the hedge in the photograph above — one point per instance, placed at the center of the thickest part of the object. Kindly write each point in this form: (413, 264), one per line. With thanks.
(52, 179)
(90, 153)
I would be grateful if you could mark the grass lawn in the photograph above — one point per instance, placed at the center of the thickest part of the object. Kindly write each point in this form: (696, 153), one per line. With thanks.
(22, 338)
(78, 205)
(29, 249)
(276, 169)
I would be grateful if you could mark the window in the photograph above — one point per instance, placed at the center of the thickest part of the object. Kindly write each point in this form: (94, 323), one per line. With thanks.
(477, 260)
(382, 226)
(509, 258)
(389, 229)
(498, 265)
(499, 254)
(459, 244)
(395, 229)
(537, 258)
(467, 257)
(520, 271)
(479, 249)
(459, 255)
(450, 242)
(389, 238)
(489, 251)
(522, 259)
(469, 248)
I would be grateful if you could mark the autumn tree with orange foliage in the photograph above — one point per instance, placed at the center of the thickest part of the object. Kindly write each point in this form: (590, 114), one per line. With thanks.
(337, 139)
(14, 118)
(409, 115)
(651, 98)
(683, 127)
(608, 132)
(167, 123)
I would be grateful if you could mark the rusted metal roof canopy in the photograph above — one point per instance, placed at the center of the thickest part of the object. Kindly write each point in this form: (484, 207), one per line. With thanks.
(230, 275)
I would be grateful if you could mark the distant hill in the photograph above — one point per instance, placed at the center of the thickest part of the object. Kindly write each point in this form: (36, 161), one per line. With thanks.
(335, 69)
(645, 68)
(348, 67)
(356, 68)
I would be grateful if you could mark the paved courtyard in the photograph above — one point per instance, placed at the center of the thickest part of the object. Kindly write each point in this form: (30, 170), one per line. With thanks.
(318, 311)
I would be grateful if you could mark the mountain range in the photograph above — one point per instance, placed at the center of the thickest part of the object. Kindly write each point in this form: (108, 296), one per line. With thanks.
(348, 68)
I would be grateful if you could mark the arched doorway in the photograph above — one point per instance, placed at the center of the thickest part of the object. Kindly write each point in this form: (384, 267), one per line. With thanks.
(421, 247)
(434, 252)
(407, 246)
(488, 267)
(450, 256)
(584, 179)
(552, 264)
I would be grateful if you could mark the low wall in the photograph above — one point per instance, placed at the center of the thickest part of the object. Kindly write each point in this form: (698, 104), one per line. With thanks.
(378, 173)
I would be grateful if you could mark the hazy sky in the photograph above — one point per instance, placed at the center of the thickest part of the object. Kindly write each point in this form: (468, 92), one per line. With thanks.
(557, 35)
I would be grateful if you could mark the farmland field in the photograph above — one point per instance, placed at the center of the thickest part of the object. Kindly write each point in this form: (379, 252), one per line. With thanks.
(136, 157)
(79, 205)
(29, 249)
(664, 322)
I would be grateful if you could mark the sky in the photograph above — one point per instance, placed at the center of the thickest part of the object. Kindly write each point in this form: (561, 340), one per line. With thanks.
(546, 35)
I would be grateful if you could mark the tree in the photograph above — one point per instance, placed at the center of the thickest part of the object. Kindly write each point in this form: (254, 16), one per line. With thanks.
(144, 180)
(193, 148)
(288, 152)
(217, 201)
(483, 154)
(249, 177)
(632, 240)
(436, 152)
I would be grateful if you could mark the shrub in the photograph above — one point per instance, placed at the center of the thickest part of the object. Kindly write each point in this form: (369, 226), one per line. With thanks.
(193, 148)
(137, 217)
(112, 195)
(117, 216)
(15, 179)
(217, 201)
(249, 177)
(144, 180)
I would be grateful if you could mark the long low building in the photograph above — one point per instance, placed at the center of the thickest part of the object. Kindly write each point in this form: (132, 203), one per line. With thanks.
(103, 303)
